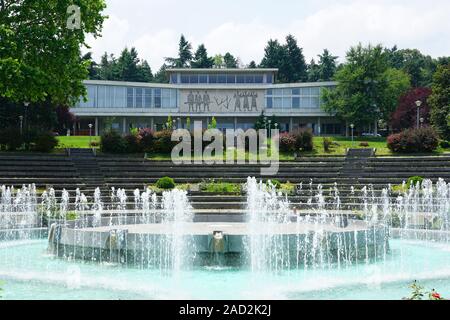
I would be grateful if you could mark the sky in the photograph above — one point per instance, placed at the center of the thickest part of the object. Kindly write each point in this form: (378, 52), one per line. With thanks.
(243, 27)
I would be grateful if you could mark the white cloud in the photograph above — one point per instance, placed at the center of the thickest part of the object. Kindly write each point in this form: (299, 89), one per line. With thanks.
(409, 24)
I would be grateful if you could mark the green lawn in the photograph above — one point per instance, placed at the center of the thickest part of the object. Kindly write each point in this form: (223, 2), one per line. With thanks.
(338, 149)
(75, 141)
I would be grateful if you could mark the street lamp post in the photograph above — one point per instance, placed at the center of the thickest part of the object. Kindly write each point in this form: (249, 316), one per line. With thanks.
(21, 125)
(90, 134)
(352, 126)
(418, 104)
(421, 121)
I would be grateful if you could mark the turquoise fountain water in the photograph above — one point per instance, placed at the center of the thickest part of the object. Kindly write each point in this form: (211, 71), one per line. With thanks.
(418, 249)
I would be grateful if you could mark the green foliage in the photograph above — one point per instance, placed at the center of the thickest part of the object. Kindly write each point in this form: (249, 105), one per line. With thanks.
(165, 183)
(304, 140)
(274, 182)
(42, 60)
(132, 143)
(112, 142)
(184, 55)
(325, 69)
(264, 122)
(367, 88)
(169, 123)
(418, 293)
(213, 124)
(220, 187)
(412, 181)
(163, 141)
(201, 59)
(188, 123)
(439, 101)
(327, 144)
(414, 140)
(46, 142)
(287, 58)
(230, 61)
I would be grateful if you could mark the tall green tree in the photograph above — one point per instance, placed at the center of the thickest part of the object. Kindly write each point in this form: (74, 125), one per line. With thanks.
(230, 61)
(368, 90)
(296, 69)
(327, 66)
(218, 61)
(201, 59)
(440, 100)
(106, 67)
(313, 71)
(184, 55)
(252, 65)
(161, 76)
(288, 58)
(275, 56)
(92, 68)
(39, 54)
(418, 66)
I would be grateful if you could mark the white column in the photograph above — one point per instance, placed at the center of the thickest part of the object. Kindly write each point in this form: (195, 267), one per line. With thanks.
(124, 124)
(96, 126)
(346, 128)
(376, 127)
(235, 123)
(291, 124)
(318, 126)
(152, 123)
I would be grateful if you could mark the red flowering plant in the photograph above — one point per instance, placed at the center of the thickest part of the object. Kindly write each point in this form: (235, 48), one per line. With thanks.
(418, 293)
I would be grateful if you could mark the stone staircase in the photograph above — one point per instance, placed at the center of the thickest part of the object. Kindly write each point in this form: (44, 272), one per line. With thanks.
(355, 164)
(85, 162)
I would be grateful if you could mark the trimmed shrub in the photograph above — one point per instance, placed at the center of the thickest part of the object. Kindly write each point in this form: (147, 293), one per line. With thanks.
(414, 180)
(304, 140)
(132, 143)
(165, 183)
(113, 142)
(276, 183)
(45, 142)
(163, 141)
(414, 140)
(445, 144)
(146, 139)
(287, 142)
(364, 144)
(327, 144)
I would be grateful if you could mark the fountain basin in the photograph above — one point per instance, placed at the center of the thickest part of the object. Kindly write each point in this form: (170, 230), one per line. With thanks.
(146, 244)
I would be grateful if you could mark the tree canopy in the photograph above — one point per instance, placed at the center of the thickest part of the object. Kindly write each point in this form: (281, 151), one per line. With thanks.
(184, 55)
(201, 59)
(39, 54)
(367, 89)
(440, 100)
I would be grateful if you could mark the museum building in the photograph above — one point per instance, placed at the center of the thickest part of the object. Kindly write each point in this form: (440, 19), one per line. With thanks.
(234, 97)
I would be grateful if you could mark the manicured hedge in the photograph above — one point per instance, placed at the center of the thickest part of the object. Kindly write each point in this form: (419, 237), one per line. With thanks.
(414, 140)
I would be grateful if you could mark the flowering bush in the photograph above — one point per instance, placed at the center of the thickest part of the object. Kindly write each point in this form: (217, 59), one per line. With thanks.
(132, 143)
(304, 139)
(418, 293)
(163, 141)
(113, 142)
(287, 142)
(146, 139)
(414, 140)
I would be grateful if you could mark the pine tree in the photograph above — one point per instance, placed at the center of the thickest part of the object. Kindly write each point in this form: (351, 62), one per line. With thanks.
(313, 71)
(201, 59)
(229, 60)
(184, 55)
(296, 66)
(252, 65)
(327, 66)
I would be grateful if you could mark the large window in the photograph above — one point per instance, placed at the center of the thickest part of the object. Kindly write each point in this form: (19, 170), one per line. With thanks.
(229, 78)
(295, 98)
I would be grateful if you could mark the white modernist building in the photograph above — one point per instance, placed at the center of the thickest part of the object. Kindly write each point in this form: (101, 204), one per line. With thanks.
(235, 97)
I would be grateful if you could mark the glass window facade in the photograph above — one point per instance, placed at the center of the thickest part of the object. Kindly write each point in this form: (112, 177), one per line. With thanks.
(293, 98)
(99, 96)
(229, 78)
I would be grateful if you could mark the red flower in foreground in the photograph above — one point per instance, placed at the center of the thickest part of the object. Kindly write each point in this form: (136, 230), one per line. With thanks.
(436, 295)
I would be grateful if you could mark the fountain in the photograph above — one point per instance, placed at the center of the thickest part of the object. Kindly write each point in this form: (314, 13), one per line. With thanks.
(369, 236)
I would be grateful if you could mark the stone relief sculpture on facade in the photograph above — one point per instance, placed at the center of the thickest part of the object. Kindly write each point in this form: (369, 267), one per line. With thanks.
(244, 101)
